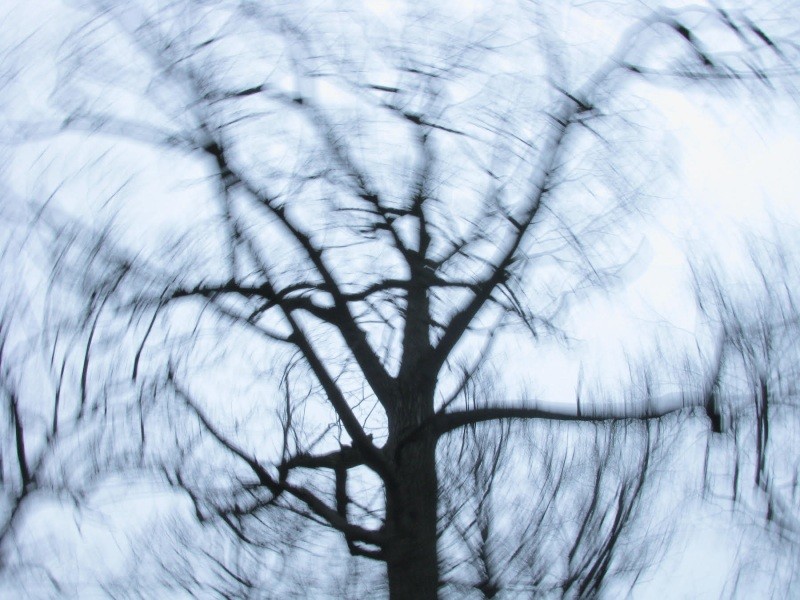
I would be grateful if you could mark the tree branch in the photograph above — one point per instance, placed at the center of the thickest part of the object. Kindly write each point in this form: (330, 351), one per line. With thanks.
(317, 506)
(445, 422)
(347, 457)
(341, 317)
(459, 323)
(274, 299)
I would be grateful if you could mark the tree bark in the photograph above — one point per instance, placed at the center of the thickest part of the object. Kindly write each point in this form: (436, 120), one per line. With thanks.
(411, 502)
(411, 524)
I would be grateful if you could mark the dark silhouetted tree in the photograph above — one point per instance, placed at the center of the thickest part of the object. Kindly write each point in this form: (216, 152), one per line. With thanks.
(360, 205)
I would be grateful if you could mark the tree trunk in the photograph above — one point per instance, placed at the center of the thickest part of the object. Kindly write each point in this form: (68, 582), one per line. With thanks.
(411, 521)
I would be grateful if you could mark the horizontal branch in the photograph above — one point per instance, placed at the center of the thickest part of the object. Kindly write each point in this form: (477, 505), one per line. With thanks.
(445, 422)
(285, 299)
(346, 457)
(265, 292)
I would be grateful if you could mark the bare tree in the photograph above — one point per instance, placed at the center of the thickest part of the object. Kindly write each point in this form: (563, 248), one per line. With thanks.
(54, 446)
(371, 208)
(754, 466)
